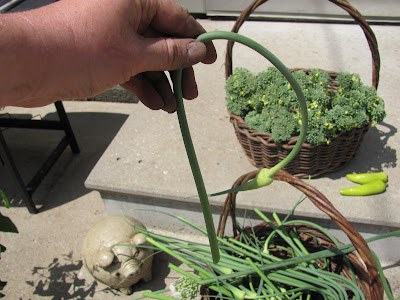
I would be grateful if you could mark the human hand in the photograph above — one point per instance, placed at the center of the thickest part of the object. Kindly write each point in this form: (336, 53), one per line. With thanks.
(170, 20)
(81, 48)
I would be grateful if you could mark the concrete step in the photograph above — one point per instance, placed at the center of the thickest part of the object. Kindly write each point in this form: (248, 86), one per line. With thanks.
(145, 167)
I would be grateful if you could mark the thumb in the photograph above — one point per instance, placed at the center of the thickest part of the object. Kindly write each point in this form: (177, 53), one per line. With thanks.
(162, 54)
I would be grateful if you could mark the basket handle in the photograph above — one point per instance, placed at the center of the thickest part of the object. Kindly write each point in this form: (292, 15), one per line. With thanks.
(323, 204)
(353, 12)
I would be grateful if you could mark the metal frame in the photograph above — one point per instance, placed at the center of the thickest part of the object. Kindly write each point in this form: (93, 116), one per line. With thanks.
(27, 190)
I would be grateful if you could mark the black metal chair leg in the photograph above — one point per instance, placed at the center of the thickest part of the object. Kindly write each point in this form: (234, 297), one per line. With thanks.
(67, 127)
(13, 171)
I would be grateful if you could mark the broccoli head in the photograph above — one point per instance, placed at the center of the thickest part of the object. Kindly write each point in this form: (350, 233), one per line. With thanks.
(302, 79)
(268, 103)
(270, 76)
(317, 98)
(317, 127)
(348, 82)
(376, 110)
(344, 118)
(257, 121)
(318, 78)
(284, 127)
(276, 120)
(240, 87)
(316, 136)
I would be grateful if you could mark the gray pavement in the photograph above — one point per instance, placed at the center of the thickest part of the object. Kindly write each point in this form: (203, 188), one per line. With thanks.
(43, 260)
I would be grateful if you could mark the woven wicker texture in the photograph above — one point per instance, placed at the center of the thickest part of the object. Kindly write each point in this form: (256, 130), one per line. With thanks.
(364, 265)
(312, 160)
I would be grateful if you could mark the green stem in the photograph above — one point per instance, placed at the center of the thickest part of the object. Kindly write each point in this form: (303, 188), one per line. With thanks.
(280, 231)
(157, 296)
(157, 292)
(265, 176)
(330, 236)
(198, 178)
(384, 281)
(262, 275)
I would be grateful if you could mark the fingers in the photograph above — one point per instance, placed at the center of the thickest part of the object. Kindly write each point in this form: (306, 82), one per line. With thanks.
(189, 86)
(169, 54)
(154, 91)
(172, 19)
(167, 43)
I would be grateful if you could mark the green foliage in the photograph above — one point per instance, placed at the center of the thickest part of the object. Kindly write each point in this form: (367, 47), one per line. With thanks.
(268, 103)
(5, 200)
(6, 225)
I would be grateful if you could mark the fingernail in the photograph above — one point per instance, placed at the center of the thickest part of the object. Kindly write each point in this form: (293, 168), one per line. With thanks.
(196, 52)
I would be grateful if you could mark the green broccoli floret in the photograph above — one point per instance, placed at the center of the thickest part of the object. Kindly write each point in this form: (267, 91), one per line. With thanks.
(317, 126)
(374, 104)
(339, 100)
(284, 127)
(376, 110)
(258, 100)
(360, 97)
(318, 78)
(315, 136)
(302, 78)
(344, 118)
(271, 86)
(280, 94)
(240, 87)
(317, 98)
(256, 121)
(269, 76)
(348, 82)
(276, 120)
(354, 98)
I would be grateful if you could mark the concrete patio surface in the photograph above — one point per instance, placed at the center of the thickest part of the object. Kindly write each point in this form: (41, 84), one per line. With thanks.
(43, 260)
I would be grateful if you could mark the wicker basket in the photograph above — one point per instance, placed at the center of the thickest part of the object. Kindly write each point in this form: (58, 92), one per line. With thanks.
(312, 160)
(364, 265)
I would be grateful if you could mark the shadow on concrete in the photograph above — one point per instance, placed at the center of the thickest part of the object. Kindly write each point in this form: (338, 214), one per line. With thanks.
(394, 265)
(65, 181)
(62, 279)
(374, 155)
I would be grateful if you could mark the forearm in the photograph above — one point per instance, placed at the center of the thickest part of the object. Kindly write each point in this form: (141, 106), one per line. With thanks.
(43, 57)
(75, 49)
(24, 57)
(16, 60)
